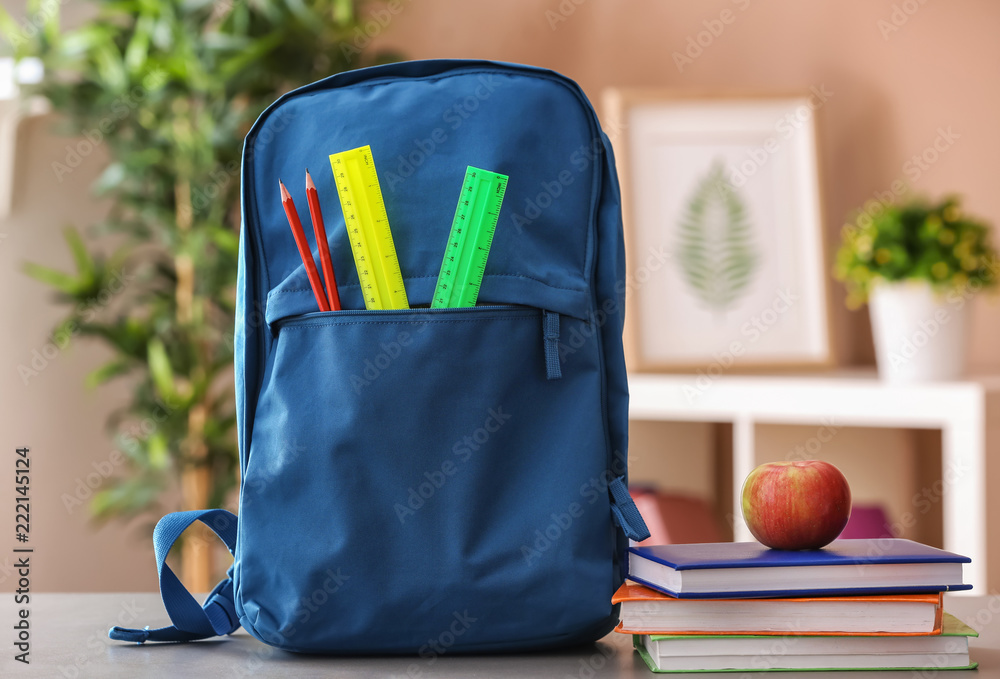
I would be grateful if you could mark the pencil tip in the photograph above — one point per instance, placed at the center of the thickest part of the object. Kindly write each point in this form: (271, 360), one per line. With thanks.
(309, 181)
(284, 192)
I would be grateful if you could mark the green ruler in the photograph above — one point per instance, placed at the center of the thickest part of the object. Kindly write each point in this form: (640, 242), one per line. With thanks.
(470, 239)
(368, 229)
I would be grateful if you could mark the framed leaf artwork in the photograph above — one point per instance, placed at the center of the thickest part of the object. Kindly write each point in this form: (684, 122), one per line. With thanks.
(723, 230)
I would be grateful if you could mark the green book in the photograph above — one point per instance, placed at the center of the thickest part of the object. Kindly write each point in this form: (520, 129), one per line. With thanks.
(755, 653)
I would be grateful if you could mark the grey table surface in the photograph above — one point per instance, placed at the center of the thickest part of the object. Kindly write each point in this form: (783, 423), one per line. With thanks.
(69, 640)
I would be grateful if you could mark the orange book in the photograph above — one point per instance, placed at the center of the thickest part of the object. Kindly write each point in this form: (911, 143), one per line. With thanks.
(646, 611)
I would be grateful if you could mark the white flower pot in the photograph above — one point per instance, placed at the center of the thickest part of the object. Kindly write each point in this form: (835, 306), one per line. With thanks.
(920, 336)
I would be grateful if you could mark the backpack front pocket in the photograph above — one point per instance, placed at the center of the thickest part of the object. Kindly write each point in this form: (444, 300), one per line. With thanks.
(400, 479)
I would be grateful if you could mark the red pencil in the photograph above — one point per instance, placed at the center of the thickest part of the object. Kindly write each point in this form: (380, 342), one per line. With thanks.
(324, 247)
(303, 245)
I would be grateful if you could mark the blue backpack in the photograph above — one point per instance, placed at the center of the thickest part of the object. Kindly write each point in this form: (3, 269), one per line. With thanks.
(427, 480)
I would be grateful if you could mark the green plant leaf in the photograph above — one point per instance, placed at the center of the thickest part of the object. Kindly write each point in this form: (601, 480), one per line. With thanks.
(81, 256)
(137, 52)
(158, 451)
(715, 242)
(160, 370)
(256, 52)
(343, 11)
(108, 371)
(127, 498)
(63, 282)
(49, 14)
(110, 68)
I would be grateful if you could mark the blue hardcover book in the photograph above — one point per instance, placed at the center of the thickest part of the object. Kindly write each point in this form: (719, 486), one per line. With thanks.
(726, 570)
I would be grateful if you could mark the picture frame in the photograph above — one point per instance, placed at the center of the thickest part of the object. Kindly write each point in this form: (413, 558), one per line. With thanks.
(722, 204)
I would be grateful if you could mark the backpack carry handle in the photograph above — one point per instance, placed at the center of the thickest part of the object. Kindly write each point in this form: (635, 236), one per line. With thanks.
(192, 621)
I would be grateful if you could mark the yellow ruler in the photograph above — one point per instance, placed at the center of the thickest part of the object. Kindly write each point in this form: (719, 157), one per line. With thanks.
(368, 229)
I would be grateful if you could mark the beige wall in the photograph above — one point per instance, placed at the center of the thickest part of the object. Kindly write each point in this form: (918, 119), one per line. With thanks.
(941, 69)
(52, 411)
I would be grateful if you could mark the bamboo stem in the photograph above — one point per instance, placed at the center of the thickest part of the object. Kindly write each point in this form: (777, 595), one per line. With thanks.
(196, 478)
(196, 488)
(183, 264)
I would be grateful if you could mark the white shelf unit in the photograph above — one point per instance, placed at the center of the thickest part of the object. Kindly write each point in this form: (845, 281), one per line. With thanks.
(958, 409)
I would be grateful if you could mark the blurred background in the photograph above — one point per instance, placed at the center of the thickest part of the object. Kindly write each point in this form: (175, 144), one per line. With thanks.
(134, 143)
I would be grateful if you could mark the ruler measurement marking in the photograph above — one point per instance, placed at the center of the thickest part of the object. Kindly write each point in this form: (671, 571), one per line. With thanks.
(367, 223)
(473, 227)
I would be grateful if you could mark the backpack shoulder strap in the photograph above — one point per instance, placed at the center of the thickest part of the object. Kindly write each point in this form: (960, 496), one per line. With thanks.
(192, 621)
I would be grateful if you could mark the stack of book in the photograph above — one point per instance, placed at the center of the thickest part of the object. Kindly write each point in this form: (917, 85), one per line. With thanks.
(740, 606)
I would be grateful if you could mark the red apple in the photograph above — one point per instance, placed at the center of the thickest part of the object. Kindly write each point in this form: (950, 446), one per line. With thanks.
(796, 505)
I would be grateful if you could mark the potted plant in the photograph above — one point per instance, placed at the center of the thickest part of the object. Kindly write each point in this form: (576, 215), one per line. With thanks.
(168, 90)
(917, 264)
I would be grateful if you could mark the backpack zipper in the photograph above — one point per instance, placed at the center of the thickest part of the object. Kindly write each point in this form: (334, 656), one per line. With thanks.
(289, 320)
